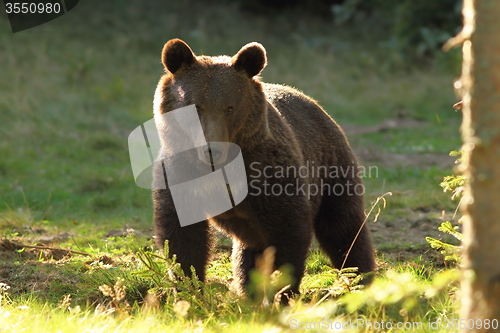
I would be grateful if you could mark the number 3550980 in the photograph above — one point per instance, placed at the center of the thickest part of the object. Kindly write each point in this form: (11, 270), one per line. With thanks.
(32, 8)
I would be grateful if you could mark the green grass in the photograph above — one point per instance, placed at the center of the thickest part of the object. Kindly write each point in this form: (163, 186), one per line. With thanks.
(38, 295)
(406, 293)
(73, 89)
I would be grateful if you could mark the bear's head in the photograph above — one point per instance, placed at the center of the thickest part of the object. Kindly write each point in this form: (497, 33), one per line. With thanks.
(227, 92)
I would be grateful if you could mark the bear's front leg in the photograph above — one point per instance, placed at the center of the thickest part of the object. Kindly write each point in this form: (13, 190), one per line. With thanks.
(243, 259)
(190, 244)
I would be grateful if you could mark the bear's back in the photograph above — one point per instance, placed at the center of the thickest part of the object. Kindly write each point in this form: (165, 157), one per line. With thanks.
(317, 133)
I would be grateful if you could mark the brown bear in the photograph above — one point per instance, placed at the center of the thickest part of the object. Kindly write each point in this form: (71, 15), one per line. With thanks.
(302, 174)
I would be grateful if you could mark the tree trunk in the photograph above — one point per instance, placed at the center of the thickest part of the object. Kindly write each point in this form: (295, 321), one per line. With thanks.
(481, 165)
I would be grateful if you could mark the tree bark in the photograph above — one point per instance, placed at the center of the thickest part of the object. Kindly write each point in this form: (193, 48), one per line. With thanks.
(480, 83)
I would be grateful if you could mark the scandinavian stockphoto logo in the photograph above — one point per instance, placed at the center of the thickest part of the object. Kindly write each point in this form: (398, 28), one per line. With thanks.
(28, 14)
(205, 178)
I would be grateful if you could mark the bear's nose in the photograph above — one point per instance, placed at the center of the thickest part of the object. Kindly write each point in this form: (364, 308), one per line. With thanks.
(212, 154)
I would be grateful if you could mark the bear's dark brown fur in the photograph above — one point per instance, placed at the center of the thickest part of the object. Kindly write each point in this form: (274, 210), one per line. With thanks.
(274, 126)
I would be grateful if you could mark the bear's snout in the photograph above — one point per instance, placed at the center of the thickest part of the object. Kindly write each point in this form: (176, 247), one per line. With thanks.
(214, 153)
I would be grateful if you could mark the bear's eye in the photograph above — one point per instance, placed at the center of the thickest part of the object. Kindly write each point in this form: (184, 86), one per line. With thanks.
(229, 110)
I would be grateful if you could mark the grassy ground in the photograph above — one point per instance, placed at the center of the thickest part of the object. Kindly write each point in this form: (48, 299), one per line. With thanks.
(73, 89)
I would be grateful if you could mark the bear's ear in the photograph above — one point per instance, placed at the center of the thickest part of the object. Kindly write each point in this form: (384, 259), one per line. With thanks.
(176, 54)
(251, 59)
